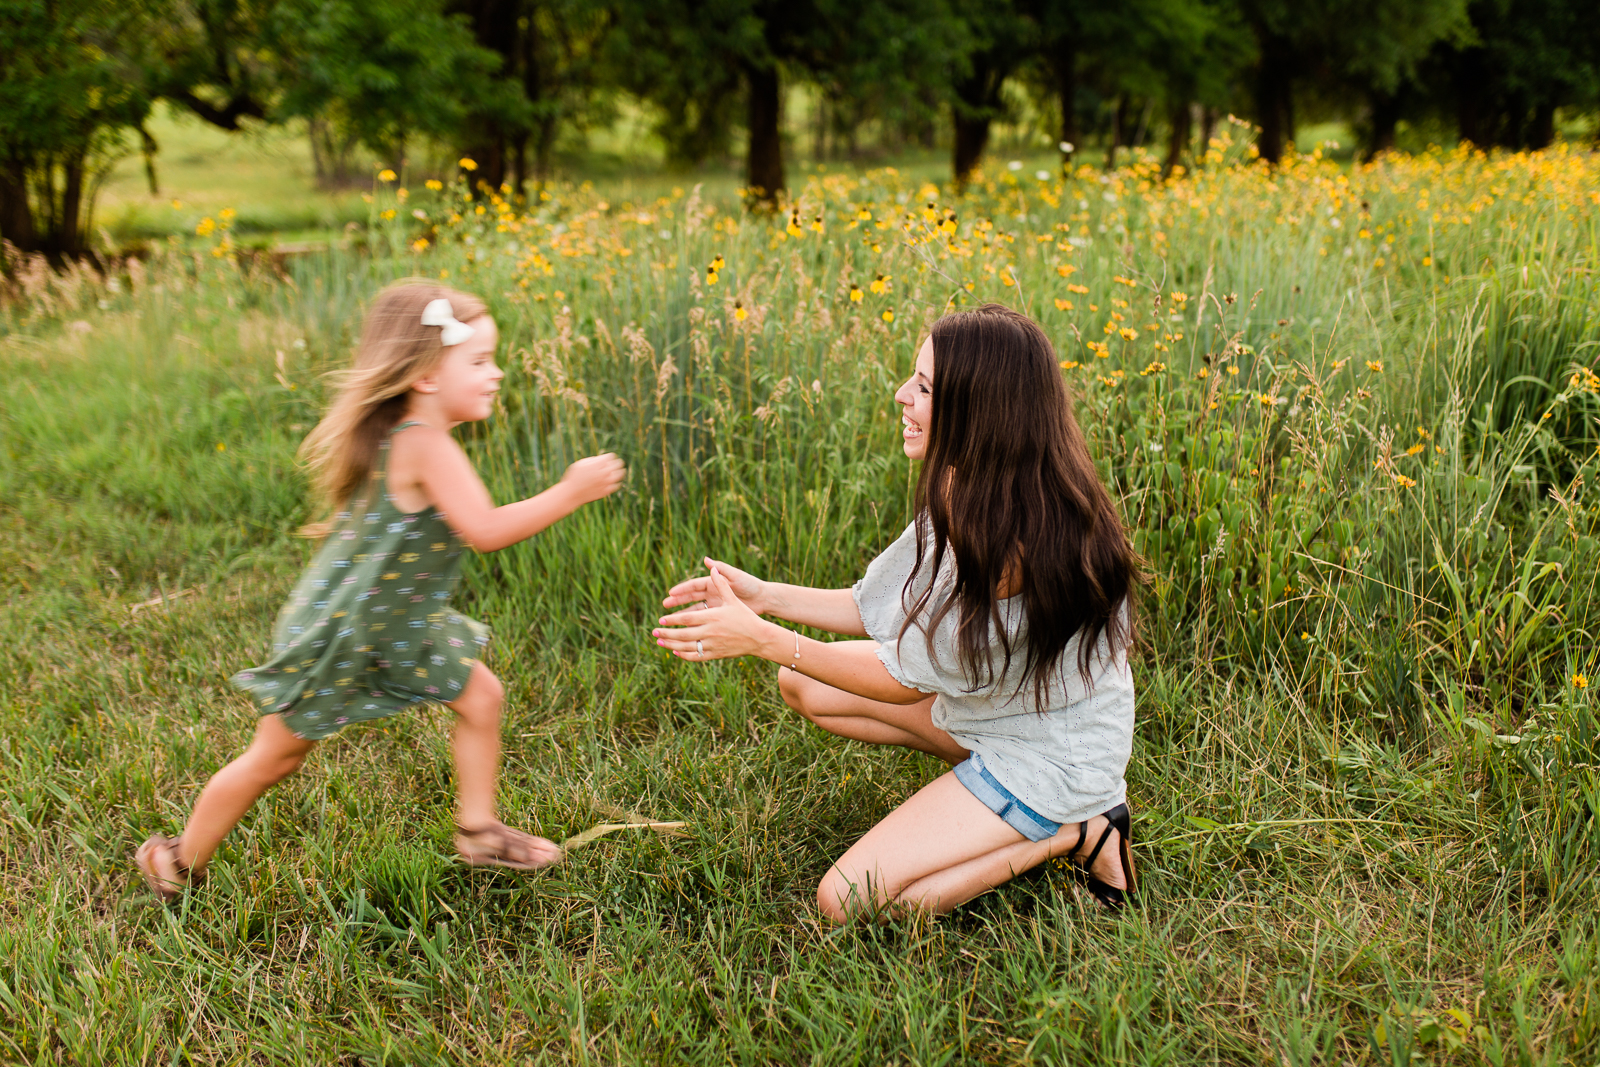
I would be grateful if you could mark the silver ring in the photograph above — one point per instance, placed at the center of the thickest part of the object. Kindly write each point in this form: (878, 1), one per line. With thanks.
(700, 649)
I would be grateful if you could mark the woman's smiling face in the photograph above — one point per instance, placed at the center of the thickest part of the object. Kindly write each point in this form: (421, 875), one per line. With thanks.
(915, 398)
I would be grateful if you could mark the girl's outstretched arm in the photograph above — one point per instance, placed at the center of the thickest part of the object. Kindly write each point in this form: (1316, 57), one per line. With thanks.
(833, 610)
(432, 461)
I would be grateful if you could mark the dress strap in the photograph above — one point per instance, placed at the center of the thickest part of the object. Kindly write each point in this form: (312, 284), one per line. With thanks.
(380, 468)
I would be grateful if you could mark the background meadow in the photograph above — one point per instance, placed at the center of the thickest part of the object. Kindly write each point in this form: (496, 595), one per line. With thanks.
(1350, 415)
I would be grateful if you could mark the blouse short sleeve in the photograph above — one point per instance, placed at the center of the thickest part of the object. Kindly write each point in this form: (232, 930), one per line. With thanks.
(883, 599)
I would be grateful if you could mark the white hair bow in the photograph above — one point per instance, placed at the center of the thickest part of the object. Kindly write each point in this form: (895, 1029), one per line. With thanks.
(440, 313)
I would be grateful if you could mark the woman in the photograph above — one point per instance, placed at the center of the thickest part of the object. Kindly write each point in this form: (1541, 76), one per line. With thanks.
(999, 627)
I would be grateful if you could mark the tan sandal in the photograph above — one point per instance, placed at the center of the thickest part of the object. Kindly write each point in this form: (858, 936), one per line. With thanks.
(150, 857)
(497, 845)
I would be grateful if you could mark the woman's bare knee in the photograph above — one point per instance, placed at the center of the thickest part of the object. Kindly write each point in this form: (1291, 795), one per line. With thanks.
(839, 898)
(834, 898)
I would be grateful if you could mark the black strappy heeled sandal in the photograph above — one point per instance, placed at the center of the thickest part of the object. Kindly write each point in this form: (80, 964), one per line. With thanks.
(1117, 819)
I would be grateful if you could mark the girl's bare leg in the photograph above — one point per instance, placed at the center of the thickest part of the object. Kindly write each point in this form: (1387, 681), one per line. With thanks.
(273, 755)
(872, 721)
(477, 747)
(942, 848)
(477, 758)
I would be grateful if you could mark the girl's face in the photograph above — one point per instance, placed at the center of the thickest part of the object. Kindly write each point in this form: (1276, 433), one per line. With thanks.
(462, 387)
(915, 398)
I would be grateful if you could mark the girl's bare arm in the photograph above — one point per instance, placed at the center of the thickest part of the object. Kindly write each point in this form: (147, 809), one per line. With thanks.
(431, 459)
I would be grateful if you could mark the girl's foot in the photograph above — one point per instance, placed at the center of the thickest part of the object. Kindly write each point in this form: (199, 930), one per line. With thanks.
(161, 863)
(1101, 859)
(496, 844)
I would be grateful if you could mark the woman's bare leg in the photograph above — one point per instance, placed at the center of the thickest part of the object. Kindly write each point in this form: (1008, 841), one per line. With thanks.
(273, 755)
(942, 848)
(872, 721)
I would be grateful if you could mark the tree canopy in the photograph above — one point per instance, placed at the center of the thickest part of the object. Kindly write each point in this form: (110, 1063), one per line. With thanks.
(501, 80)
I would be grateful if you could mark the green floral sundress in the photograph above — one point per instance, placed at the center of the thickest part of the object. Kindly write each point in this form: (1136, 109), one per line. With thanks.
(368, 630)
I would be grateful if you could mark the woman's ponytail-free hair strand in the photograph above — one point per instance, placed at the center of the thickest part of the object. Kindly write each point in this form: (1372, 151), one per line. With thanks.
(1009, 490)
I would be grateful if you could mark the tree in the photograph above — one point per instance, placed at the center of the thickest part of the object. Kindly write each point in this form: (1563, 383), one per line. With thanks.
(1520, 64)
(1001, 38)
(375, 74)
(1375, 43)
(692, 58)
(550, 71)
(71, 83)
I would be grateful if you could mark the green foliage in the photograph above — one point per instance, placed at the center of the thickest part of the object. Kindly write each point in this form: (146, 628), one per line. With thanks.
(70, 82)
(1372, 843)
(377, 74)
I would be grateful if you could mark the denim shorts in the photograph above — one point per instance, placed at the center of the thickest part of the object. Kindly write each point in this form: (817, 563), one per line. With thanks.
(998, 799)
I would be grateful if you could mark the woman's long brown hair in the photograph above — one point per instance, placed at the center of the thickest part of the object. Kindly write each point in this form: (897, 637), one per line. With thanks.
(396, 349)
(1009, 492)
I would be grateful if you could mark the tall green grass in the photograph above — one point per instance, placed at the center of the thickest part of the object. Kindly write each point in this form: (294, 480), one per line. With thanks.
(1363, 776)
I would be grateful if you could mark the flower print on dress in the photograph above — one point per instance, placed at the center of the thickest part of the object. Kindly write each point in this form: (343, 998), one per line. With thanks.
(339, 596)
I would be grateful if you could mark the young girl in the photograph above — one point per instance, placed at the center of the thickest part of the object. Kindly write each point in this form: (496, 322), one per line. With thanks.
(369, 630)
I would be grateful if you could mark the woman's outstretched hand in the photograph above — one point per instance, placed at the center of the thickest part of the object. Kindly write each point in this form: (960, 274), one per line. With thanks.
(724, 627)
(747, 587)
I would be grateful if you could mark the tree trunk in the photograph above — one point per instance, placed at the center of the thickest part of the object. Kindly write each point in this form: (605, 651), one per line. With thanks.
(1179, 138)
(16, 216)
(319, 166)
(150, 149)
(1273, 97)
(1119, 131)
(1385, 117)
(764, 159)
(1064, 63)
(972, 137)
(1543, 128)
(69, 236)
(1208, 126)
(543, 144)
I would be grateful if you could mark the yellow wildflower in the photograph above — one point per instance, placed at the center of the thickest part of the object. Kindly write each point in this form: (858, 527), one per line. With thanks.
(739, 313)
(1063, 305)
(855, 294)
(467, 164)
(1580, 681)
(387, 175)
(888, 315)
(1375, 366)
(434, 183)
(1066, 269)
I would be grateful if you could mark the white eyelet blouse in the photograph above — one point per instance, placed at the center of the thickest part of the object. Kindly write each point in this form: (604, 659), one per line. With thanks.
(1067, 763)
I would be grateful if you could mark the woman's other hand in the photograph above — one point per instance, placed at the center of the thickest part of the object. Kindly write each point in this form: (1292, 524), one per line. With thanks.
(746, 587)
(724, 627)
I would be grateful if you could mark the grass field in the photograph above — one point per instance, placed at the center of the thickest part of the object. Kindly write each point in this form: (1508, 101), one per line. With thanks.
(1357, 450)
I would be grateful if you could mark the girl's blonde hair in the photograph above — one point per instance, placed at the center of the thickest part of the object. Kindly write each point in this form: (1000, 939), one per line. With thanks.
(396, 349)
